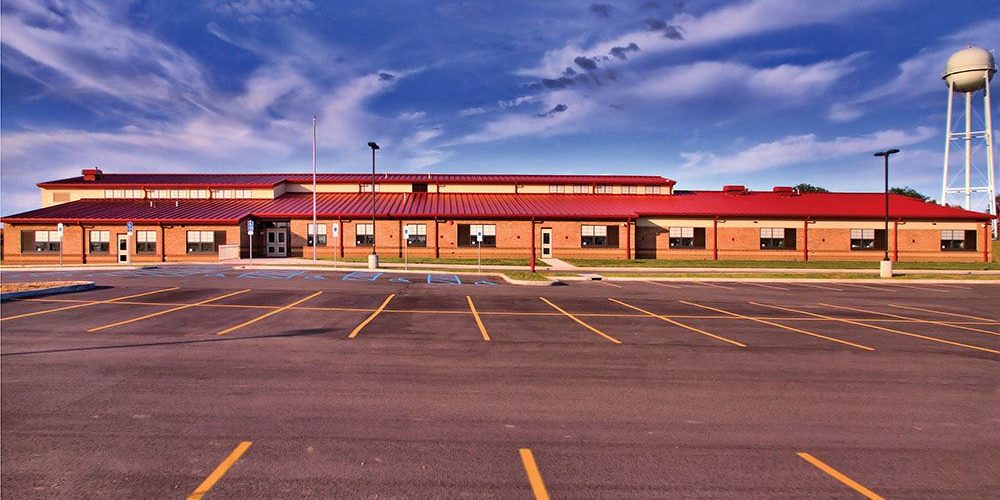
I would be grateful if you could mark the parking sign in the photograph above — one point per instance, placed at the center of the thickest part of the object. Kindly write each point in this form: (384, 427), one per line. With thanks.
(336, 229)
(250, 227)
(59, 229)
(479, 236)
(128, 227)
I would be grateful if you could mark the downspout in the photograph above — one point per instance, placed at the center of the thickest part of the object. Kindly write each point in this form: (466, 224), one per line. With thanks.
(895, 240)
(628, 239)
(805, 240)
(163, 243)
(715, 238)
(83, 244)
(340, 235)
(399, 231)
(437, 238)
(532, 244)
(986, 242)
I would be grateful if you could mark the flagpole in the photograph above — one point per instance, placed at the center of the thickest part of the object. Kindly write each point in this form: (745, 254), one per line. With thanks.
(315, 227)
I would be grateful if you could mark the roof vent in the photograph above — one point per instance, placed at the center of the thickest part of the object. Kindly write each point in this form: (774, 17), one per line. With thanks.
(92, 174)
(786, 190)
(734, 189)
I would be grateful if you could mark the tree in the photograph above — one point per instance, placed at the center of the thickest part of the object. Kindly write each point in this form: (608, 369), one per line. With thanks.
(809, 188)
(908, 191)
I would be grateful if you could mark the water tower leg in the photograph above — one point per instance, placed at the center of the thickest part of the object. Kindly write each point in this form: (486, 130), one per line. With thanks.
(991, 189)
(947, 145)
(968, 150)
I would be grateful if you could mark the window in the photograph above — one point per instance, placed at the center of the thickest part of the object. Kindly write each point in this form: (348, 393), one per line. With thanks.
(419, 188)
(201, 241)
(320, 237)
(687, 237)
(364, 235)
(124, 193)
(580, 189)
(417, 235)
(467, 235)
(652, 189)
(100, 242)
(40, 241)
(602, 189)
(598, 236)
(243, 193)
(557, 188)
(222, 193)
(367, 188)
(629, 190)
(145, 242)
(159, 193)
(199, 193)
(957, 239)
(777, 238)
(868, 239)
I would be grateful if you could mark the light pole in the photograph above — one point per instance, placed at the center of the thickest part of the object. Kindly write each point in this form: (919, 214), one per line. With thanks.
(373, 258)
(886, 267)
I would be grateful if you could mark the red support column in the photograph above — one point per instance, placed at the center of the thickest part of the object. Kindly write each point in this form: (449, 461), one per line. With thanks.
(895, 240)
(437, 236)
(986, 242)
(628, 239)
(83, 244)
(163, 244)
(805, 240)
(340, 232)
(715, 239)
(532, 245)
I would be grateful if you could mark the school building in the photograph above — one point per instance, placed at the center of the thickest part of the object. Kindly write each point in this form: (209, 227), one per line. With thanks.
(203, 217)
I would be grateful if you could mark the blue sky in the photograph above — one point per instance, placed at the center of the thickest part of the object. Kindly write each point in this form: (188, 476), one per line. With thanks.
(755, 92)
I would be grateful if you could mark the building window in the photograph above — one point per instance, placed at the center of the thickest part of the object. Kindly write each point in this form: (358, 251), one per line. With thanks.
(159, 193)
(364, 235)
(652, 189)
(199, 193)
(417, 235)
(958, 239)
(40, 241)
(467, 235)
(580, 189)
(602, 189)
(100, 242)
(598, 236)
(320, 237)
(201, 241)
(419, 188)
(868, 239)
(557, 188)
(687, 237)
(367, 188)
(123, 193)
(772, 238)
(629, 190)
(145, 242)
(244, 193)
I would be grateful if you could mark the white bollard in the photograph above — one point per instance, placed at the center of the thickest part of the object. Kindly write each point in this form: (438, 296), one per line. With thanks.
(372, 261)
(885, 269)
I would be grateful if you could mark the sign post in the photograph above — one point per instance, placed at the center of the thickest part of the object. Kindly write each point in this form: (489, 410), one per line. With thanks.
(59, 229)
(250, 234)
(336, 236)
(406, 238)
(479, 243)
(128, 244)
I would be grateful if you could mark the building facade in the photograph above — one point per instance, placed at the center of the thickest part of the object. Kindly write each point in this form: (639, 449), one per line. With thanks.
(204, 217)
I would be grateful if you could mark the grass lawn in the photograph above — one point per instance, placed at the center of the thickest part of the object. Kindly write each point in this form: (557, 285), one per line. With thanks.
(969, 266)
(526, 276)
(443, 261)
(797, 276)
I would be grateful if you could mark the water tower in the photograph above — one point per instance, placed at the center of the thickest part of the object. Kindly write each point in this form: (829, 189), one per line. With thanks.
(968, 71)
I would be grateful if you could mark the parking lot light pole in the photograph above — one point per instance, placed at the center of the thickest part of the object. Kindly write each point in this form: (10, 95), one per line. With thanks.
(373, 258)
(885, 270)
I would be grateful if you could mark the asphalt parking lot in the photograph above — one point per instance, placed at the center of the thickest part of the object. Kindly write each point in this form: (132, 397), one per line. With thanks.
(195, 381)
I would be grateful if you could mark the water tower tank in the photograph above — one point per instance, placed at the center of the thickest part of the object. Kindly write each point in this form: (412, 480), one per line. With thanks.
(968, 68)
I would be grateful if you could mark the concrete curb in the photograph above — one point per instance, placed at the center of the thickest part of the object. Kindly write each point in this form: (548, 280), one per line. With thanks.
(25, 294)
(798, 280)
(502, 276)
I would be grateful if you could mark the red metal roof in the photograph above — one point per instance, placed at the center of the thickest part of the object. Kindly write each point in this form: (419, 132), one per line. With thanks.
(269, 180)
(505, 206)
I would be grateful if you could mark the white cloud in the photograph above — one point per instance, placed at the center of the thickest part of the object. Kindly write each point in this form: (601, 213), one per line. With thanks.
(472, 111)
(798, 149)
(258, 10)
(563, 112)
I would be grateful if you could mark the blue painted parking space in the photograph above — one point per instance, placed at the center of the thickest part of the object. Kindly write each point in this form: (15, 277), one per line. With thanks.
(361, 276)
(448, 279)
(272, 274)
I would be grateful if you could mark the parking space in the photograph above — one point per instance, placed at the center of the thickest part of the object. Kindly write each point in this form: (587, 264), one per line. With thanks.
(344, 388)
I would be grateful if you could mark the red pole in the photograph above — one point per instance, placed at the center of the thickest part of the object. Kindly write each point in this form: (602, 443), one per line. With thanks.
(532, 245)
(895, 240)
(340, 233)
(628, 239)
(986, 242)
(437, 239)
(715, 238)
(805, 240)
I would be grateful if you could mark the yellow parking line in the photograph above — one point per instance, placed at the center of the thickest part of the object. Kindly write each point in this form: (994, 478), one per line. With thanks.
(266, 315)
(884, 329)
(821, 287)
(364, 323)
(967, 316)
(580, 321)
(661, 284)
(219, 471)
(869, 494)
(762, 285)
(159, 313)
(706, 283)
(66, 308)
(479, 321)
(779, 325)
(534, 477)
(678, 323)
(910, 318)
